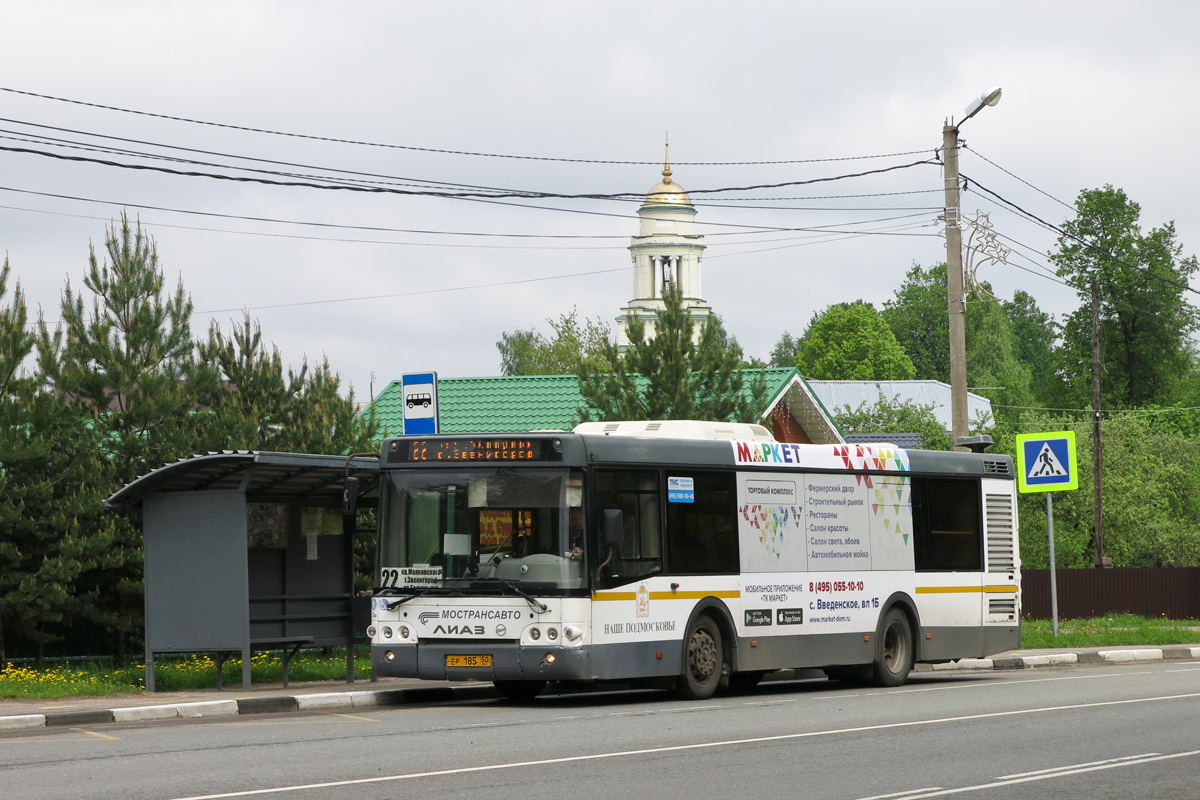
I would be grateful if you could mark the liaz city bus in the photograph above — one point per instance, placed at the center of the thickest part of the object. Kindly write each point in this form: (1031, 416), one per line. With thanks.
(687, 555)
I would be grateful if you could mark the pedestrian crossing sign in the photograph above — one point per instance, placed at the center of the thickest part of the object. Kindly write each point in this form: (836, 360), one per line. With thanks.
(1046, 462)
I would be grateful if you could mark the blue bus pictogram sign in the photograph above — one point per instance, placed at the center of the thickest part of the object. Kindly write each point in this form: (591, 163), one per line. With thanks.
(420, 403)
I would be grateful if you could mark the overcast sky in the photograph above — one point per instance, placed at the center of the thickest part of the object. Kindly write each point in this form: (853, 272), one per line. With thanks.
(1094, 93)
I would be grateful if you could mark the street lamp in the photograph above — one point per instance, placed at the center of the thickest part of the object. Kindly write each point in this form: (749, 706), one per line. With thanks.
(954, 268)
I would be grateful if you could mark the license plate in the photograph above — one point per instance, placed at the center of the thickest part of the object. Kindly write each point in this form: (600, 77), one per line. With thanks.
(468, 661)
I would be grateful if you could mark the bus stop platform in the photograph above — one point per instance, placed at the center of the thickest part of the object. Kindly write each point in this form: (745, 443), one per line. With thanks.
(337, 697)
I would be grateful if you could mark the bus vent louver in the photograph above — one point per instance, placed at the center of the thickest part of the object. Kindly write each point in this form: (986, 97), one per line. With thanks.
(995, 466)
(1000, 556)
(1005, 607)
(653, 426)
(612, 426)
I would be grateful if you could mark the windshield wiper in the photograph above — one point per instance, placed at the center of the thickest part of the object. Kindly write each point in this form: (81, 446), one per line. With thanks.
(534, 603)
(392, 606)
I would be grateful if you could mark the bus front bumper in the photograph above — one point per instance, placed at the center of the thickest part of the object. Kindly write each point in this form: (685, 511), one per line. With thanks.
(510, 661)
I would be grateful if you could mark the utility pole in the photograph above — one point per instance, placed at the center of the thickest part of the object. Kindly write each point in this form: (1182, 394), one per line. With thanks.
(954, 288)
(1097, 460)
(955, 291)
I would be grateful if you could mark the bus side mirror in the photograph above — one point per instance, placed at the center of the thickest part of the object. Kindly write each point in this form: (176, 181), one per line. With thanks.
(612, 530)
(350, 496)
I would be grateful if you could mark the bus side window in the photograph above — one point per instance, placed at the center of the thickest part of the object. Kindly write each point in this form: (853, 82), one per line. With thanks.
(702, 534)
(636, 494)
(920, 525)
(950, 524)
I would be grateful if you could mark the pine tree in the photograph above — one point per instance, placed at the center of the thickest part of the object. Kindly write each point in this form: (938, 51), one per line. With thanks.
(50, 530)
(126, 363)
(672, 374)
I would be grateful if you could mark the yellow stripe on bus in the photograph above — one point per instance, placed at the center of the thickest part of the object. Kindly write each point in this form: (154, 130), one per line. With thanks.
(732, 593)
(965, 589)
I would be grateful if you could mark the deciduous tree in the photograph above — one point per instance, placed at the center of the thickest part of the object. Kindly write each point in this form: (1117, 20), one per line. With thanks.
(1145, 319)
(531, 353)
(851, 342)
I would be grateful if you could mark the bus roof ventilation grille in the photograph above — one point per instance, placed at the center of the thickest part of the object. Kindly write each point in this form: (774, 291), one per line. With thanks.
(996, 466)
(653, 426)
(612, 426)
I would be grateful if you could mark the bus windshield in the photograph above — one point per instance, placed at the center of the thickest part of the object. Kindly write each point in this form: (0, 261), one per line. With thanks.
(477, 530)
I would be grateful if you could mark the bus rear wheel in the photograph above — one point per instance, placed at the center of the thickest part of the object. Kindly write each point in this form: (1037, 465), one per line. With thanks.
(521, 691)
(895, 650)
(704, 660)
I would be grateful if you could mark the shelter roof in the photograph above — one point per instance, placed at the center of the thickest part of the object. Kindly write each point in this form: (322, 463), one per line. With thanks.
(263, 476)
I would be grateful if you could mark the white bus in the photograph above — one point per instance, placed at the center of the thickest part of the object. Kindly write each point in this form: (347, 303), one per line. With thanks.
(687, 555)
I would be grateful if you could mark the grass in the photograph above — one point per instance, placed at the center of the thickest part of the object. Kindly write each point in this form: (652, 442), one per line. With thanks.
(1109, 631)
(173, 674)
(194, 672)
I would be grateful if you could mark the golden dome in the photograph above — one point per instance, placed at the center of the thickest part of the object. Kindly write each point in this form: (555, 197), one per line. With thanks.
(666, 192)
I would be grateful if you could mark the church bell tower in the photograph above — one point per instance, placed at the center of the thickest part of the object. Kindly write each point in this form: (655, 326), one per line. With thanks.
(666, 250)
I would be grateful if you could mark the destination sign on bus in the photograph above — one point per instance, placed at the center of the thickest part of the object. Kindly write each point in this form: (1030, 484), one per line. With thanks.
(458, 450)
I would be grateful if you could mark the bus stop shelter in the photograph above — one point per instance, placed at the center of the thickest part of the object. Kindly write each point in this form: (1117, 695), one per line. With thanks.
(249, 551)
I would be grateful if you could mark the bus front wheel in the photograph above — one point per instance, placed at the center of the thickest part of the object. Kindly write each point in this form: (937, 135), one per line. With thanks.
(521, 691)
(704, 660)
(894, 657)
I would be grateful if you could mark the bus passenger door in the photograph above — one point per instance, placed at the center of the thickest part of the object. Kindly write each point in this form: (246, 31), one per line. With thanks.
(948, 532)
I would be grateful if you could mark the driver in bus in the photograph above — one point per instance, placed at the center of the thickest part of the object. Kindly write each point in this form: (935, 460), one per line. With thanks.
(575, 532)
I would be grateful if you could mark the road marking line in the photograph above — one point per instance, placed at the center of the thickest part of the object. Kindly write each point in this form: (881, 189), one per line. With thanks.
(97, 735)
(1073, 766)
(1062, 773)
(1021, 681)
(679, 748)
(47, 708)
(900, 794)
(349, 716)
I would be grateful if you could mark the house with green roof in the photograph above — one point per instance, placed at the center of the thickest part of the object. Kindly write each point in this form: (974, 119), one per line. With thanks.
(515, 404)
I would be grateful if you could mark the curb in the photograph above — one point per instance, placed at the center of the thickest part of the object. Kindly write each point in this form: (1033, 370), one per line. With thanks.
(1177, 652)
(330, 701)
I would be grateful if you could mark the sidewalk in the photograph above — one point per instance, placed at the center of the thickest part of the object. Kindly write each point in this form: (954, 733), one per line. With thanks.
(334, 696)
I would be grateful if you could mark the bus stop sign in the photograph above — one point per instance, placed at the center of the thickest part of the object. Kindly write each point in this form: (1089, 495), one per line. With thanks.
(420, 403)
(1046, 462)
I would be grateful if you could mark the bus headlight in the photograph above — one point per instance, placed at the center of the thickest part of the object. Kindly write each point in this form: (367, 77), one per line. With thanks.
(403, 631)
(535, 634)
(387, 631)
(548, 658)
(572, 633)
(371, 631)
(552, 633)
(389, 655)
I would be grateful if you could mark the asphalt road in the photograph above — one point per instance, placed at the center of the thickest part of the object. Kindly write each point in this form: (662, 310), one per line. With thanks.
(1098, 732)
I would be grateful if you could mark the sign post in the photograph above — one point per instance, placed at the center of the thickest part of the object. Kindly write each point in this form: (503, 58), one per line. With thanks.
(1046, 463)
(419, 390)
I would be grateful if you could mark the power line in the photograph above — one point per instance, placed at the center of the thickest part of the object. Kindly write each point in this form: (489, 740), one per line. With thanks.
(82, 145)
(445, 151)
(343, 240)
(818, 229)
(430, 193)
(827, 196)
(383, 229)
(1019, 178)
(835, 238)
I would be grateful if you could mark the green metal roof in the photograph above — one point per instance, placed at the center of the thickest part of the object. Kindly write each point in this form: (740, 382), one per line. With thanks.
(512, 404)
